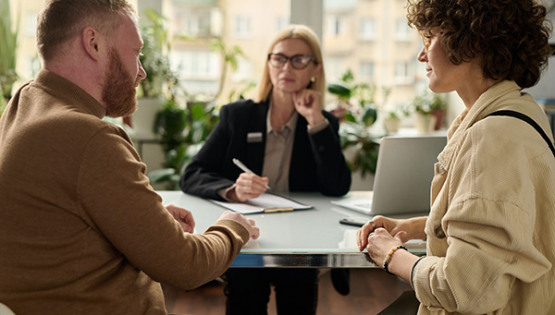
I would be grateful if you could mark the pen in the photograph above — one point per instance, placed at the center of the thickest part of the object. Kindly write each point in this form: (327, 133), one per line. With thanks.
(245, 168)
(271, 210)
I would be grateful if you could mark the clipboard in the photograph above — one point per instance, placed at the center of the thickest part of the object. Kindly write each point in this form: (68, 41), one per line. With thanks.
(265, 203)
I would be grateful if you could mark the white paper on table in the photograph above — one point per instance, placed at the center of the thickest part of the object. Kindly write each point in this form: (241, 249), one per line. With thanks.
(265, 203)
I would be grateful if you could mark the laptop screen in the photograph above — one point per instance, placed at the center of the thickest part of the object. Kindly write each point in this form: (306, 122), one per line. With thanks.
(404, 173)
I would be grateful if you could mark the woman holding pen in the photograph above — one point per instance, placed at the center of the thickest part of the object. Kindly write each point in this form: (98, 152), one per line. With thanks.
(287, 142)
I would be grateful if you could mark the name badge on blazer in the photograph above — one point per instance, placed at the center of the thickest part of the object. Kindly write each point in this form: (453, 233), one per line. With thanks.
(253, 137)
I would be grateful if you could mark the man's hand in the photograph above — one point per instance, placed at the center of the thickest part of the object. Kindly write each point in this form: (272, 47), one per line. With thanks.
(249, 224)
(183, 216)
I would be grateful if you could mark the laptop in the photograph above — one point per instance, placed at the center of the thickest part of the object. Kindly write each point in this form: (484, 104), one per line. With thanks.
(403, 177)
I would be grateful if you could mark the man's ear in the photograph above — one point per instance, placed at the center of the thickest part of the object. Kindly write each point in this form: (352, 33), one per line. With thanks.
(91, 42)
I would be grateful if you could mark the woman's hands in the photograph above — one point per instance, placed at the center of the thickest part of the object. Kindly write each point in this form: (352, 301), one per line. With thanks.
(381, 234)
(307, 103)
(248, 186)
(392, 226)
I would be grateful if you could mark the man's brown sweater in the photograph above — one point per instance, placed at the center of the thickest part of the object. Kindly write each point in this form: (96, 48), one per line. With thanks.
(81, 229)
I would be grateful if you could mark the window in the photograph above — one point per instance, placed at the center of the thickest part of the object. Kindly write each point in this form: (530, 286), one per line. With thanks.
(403, 73)
(334, 25)
(196, 21)
(340, 4)
(366, 70)
(199, 70)
(191, 25)
(242, 27)
(244, 70)
(197, 64)
(334, 68)
(402, 30)
(30, 24)
(367, 30)
(369, 37)
(281, 23)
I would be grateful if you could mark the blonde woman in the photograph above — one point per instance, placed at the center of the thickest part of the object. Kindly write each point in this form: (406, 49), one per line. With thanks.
(291, 144)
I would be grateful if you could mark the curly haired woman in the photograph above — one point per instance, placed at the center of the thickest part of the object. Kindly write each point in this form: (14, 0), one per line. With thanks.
(491, 228)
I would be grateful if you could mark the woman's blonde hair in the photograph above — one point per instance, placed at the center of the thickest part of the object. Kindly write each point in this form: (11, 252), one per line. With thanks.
(309, 37)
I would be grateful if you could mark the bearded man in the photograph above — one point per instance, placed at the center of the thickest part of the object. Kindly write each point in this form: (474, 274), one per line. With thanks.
(81, 229)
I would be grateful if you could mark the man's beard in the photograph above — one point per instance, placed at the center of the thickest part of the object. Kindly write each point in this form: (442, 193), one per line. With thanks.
(119, 90)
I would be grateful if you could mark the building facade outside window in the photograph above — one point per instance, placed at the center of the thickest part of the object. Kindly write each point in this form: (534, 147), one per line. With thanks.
(368, 37)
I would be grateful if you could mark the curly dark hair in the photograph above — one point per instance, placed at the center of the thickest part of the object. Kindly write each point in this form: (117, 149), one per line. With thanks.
(510, 36)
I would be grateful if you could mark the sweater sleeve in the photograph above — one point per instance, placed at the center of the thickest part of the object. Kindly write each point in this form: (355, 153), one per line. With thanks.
(117, 200)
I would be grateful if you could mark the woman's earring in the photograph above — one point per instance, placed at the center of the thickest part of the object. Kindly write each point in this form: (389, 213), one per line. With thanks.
(312, 79)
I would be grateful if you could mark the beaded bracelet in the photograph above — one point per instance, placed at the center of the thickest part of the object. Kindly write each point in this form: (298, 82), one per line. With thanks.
(388, 256)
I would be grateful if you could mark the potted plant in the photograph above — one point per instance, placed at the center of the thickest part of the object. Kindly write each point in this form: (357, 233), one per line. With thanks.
(429, 109)
(229, 56)
(154, 57)
(160, 78)
(356, 110)
(438, 108)
(8, 51)
(170, 123)
(181, 129)
(182, 132)
(392, 122)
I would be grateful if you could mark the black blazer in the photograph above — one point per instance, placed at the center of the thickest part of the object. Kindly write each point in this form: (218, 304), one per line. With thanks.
(317, 162)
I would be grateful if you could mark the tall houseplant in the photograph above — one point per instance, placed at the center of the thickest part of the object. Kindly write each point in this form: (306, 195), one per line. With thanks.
(183, 129)
(154, 57)
(229, 56)
(357, 112)
(8, 50)
(160, 81)
(182, 133)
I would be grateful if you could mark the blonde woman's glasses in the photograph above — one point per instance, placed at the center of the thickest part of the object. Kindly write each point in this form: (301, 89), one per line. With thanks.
(298, 62)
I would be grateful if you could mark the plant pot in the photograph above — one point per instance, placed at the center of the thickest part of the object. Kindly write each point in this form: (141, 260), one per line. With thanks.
(392, 124)
(143, 118)
(424, 123)
(440, 116)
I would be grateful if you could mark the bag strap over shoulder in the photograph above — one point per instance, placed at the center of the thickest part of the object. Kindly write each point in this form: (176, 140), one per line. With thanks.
(529, 121)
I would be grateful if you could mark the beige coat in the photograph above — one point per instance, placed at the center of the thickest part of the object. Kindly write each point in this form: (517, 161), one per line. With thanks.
(491, 229)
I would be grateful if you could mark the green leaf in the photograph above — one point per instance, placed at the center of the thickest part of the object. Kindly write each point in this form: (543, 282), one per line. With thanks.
(197, 111)
(8, 48)
(349, 117)
(339, 90)
(370, 116)
(348, 76)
